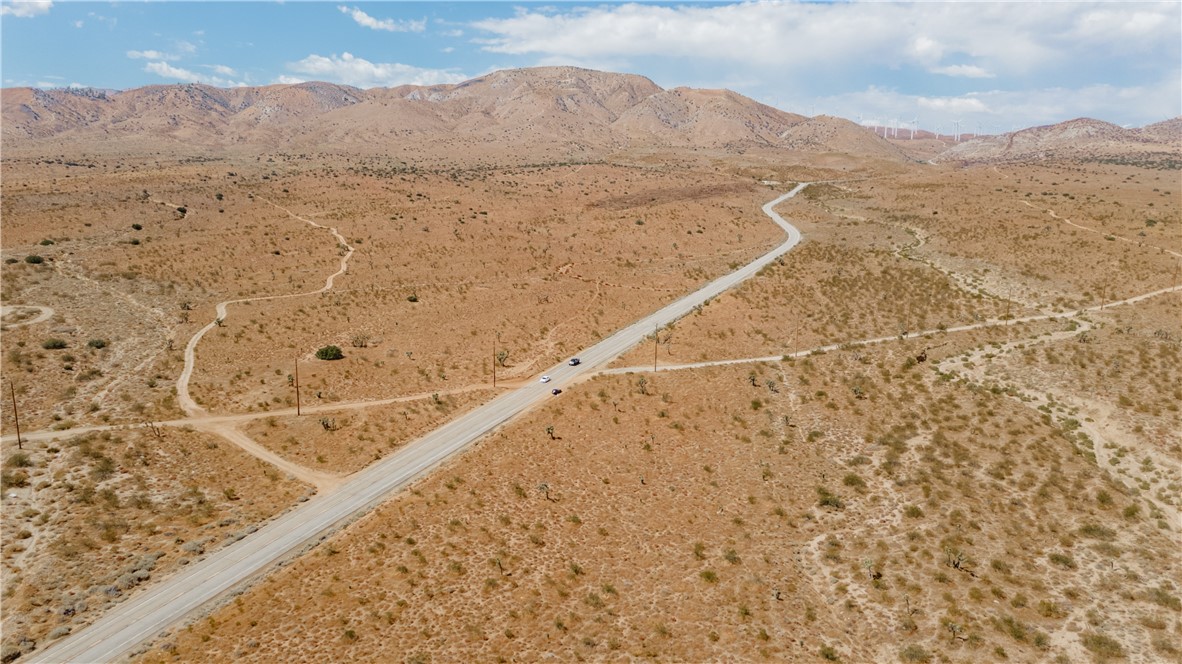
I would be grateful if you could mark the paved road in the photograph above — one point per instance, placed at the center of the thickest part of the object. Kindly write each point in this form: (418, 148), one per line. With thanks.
(159, 606)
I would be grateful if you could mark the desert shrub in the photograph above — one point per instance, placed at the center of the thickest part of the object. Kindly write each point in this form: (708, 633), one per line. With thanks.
(915, 653)
(1063, 560)
(19, 460)
(34, 259)
(329, 353)
(1102, 646)
(1097, 531)
(53, 344)
(852, 479)
(1162, 597)
(13, 479)
(913, 511)
(46, 242)
(97, 343)
(825, 498)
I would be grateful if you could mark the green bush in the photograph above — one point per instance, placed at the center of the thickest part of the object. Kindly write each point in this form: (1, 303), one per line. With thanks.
(97, 343)
(53, 344)
(329, 353)
(34, 259)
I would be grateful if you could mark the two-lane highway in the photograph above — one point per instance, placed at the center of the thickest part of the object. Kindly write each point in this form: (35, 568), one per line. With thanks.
(163, 604)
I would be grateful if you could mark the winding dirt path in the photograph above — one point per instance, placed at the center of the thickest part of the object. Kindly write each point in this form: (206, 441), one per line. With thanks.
(1092, 230)
(44, 314)
(182, 384)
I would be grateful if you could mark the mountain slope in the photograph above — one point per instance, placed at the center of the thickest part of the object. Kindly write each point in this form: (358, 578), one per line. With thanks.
(1082, 138)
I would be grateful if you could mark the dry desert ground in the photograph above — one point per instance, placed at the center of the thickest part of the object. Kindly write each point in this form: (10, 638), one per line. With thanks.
(948, 429)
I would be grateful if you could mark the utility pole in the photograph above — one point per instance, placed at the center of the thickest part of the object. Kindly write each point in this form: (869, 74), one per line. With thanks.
(655, 335)
(297, 385)
(15, 419)
(494, 361)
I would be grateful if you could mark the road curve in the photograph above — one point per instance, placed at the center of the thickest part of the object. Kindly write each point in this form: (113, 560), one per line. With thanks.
(159, 606)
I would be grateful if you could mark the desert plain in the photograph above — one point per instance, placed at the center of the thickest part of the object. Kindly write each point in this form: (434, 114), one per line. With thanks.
(944, 427)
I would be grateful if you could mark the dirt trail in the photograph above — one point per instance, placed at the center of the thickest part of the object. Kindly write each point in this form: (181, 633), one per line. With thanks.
(182, 384)
(44, 314)
(1092, 230)
(323, 481)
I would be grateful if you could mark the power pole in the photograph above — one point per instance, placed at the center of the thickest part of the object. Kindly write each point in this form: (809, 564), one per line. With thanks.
(297, 385)
(494, 361)
(655, 334)
(15, 419)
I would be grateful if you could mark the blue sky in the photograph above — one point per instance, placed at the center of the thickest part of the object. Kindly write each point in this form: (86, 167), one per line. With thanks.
(997, 65)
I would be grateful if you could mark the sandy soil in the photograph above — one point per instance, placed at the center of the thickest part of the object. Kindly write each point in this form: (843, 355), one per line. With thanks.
(1012, 495)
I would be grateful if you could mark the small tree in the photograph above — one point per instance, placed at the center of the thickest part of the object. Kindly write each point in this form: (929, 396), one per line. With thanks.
(329, 353)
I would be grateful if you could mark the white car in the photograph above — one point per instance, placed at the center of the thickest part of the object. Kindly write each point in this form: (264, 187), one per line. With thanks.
(545, 379)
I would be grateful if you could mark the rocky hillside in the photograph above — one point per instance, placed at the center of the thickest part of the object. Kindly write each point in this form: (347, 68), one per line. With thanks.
(559, 106)
(1080, 139)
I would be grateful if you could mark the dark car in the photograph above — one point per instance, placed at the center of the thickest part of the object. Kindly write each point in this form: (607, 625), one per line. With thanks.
(574, 362)
(556, 391)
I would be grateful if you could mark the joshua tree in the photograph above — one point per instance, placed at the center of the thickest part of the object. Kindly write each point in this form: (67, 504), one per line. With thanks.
(550, 431)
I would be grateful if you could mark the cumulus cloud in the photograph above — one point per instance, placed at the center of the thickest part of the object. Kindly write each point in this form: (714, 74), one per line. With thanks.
(992, 37)
(165, 70)
(151, 55)
(25, 8)
(359, 72)
(387, 24)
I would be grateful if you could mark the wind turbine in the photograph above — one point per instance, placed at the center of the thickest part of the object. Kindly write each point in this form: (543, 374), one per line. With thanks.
(914, 126)
(956, 136)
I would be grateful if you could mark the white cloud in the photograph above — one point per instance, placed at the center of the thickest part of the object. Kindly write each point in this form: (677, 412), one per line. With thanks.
(1001, 110)
(25, 8)
(452, 33)
(387, 24)
(78, 24)
(953, 105)
(995, 37)
(223, 70)
(351, 70)
(966, 71)
(151, 55)
(165, 70)
(186, 47)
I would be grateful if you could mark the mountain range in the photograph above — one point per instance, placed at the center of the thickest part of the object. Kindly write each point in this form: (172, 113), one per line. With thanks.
(552, 110)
